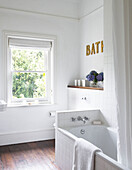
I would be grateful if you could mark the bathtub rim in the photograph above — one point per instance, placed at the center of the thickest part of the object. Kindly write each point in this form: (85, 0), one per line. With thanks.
(114, 130)
(110, 160)
(69, 135)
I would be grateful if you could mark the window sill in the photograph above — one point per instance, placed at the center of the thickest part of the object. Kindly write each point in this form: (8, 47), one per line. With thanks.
(29, 105)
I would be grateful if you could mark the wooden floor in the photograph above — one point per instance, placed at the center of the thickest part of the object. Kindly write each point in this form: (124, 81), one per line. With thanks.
(28, 156)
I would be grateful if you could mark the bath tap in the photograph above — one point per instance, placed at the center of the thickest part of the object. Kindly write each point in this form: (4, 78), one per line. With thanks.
(73, 119)
(79, 118)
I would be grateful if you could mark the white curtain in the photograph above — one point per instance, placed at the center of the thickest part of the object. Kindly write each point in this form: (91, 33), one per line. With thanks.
(119, 12)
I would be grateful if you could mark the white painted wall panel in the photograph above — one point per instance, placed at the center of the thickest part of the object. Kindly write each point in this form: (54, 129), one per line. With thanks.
(36, 118)
(91, 30)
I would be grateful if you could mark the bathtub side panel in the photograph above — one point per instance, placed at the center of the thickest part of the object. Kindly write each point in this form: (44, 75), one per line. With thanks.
(102, 164)
(64, 151)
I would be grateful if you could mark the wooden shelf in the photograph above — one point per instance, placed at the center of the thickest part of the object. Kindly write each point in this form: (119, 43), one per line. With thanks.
(80, 87)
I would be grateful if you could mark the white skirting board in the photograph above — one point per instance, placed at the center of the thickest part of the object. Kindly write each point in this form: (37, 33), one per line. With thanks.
(28, 136)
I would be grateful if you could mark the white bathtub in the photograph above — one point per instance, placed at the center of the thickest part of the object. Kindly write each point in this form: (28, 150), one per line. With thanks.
(101, 136)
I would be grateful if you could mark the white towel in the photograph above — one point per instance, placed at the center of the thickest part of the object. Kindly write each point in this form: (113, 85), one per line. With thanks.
(83, 155)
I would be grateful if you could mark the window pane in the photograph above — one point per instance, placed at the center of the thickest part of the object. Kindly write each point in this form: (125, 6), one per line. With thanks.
(29, 85)
(28, 59)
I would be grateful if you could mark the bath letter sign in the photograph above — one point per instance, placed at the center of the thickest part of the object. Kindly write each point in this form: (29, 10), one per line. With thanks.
(95, 48)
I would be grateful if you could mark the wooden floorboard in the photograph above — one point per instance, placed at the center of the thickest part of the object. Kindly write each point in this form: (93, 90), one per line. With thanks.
(28, 156)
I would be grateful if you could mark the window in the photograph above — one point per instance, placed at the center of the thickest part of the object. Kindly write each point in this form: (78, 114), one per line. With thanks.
(29, 70)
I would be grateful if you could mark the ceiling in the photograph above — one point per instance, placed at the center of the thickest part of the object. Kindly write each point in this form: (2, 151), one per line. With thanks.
(75, 1)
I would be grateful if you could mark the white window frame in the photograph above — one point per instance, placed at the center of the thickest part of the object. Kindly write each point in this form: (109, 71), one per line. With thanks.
(8, 78)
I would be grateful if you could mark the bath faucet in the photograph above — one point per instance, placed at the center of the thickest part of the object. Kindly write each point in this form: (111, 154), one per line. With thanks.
(73, 119)
(79, 118)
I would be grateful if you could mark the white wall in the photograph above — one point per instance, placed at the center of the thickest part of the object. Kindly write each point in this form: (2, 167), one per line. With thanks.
(33, 123)
(91, 30)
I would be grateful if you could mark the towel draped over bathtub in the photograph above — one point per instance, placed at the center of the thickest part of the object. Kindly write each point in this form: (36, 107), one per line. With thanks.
(83, 156)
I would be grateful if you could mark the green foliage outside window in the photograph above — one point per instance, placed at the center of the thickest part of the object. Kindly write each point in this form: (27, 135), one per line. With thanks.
(28, 84)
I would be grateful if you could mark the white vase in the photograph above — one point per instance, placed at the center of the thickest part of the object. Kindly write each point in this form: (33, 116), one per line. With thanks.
(100, 84)
(93, 84)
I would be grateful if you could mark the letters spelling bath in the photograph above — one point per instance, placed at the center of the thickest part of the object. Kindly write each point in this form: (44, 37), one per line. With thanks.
(95, 48)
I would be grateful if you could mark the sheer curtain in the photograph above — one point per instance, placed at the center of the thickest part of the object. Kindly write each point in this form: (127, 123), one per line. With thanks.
(119, 12)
